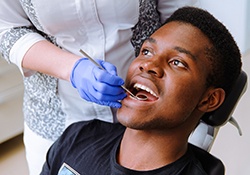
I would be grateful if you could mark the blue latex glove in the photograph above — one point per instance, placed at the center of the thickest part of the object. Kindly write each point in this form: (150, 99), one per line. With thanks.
(96, 85)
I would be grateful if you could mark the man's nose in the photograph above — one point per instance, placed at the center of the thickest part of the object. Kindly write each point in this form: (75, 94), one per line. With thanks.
(153, 67)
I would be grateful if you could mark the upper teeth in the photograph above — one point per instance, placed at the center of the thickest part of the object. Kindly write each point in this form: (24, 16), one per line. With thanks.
(140, 86)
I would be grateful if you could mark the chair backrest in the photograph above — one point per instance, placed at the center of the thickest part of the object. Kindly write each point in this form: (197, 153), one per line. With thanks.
(204, 135)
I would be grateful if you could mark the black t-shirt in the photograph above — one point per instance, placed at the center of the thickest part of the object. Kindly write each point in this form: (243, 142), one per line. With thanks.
(89, 148)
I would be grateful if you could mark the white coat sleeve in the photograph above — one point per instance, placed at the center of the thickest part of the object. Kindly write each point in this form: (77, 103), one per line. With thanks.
(167, 7)
(17, 34)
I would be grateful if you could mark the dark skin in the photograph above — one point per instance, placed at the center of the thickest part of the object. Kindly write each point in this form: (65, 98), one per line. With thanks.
(172, 65)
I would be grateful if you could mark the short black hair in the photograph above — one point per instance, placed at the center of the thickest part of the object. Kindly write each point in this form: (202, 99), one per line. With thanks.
(225, 55)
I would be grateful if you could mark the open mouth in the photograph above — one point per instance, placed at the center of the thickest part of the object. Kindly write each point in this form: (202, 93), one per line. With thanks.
(143, 92)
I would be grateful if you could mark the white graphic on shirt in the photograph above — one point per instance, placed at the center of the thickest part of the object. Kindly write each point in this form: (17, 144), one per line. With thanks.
(67, 170)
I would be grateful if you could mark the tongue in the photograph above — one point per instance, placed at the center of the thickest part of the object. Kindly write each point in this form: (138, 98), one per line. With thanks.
(145, 94)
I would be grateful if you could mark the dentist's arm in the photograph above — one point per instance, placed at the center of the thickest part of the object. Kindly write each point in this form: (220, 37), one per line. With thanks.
(93, 84)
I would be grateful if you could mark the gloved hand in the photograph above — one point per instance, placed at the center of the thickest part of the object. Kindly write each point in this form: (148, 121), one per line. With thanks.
(97, 85)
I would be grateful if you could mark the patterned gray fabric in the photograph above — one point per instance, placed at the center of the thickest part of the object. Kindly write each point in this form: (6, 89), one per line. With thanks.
(11, 37)
(149, 21)
(42, 106)
(28, 7)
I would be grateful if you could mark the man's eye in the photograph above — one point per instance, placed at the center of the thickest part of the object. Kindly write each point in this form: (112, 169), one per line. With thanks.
(146, 52)
(177, 63)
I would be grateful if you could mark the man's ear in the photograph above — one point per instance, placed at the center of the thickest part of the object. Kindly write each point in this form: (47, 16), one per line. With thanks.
(211, 100)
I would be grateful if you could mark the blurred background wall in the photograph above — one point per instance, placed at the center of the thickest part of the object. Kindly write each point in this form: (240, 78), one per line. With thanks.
(231, 148)
(235, 15)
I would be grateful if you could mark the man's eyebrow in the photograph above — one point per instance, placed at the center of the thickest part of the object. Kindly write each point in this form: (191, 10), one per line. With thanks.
(182, 50)
(150, 40)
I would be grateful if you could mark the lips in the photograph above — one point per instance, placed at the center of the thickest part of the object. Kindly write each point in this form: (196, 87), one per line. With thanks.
(143, 91)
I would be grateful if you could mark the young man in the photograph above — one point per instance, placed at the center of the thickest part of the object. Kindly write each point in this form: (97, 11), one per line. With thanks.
(185, 69)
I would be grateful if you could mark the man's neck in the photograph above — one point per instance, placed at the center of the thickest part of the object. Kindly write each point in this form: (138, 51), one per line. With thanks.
(141, 150)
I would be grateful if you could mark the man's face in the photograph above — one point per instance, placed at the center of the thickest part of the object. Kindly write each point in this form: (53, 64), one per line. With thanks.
(173, 69)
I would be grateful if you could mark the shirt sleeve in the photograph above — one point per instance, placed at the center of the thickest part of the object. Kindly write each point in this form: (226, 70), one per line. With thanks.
(17, 34)
(49, 159)
(167, 7)
(58, 151)
(54, 155)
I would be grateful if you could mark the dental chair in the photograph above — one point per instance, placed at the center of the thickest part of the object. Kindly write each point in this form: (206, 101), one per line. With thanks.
(205, 133)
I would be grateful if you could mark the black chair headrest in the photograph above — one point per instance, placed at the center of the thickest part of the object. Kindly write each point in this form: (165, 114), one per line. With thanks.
(220, 116)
